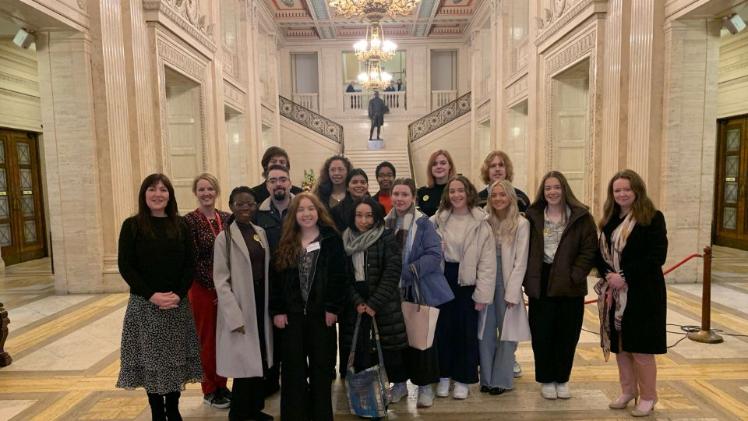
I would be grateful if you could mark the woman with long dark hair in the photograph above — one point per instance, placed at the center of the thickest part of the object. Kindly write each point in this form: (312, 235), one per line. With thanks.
(331, 187)
(160, 351)
(422, 260)
(373, 274)
(470, 269)
(357, 186)
(563, 245)
(632, 295)
(205, 223)
(244, 334)
(306, 298)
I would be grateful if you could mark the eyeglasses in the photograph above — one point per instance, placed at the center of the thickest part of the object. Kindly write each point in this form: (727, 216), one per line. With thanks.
(281, 180)
(245, 205)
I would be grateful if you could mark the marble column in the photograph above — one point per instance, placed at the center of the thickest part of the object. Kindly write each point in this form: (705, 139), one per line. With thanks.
(645, 90)
(615, 91)
(688, 139)
(70, 156)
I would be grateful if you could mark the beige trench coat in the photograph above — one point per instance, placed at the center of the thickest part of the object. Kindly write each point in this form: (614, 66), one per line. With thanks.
(238, 355)
(513, 266)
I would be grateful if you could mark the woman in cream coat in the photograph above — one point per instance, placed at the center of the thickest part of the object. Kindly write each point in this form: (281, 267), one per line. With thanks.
(470, 269)
(244, 348)
(506, 315)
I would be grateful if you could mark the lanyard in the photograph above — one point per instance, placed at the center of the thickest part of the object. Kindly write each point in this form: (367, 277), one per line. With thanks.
(218, 219)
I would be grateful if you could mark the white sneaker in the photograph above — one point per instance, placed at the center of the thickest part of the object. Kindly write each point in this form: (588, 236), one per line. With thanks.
(425, 396)
(399, 391)
(460, 391)
(517, 370)
(442, 389)
(548, 390)
(562, 390)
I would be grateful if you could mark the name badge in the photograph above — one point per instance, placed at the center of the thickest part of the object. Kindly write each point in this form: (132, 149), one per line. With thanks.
(312, 247)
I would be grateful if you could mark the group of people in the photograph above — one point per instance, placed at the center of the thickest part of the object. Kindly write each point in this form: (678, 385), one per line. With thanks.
(263, 294)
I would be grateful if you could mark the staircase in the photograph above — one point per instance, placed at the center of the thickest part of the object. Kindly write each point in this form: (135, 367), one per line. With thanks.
(369, 159)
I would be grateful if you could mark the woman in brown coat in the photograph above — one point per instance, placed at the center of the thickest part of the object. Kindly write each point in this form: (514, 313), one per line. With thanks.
(563, 245)
(633, 248)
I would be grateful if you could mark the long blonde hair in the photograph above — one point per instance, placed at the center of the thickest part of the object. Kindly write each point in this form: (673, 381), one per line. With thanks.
(504, 224)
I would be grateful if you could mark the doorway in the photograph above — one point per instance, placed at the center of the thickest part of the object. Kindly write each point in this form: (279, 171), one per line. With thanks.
(22, 233)
(731, 201)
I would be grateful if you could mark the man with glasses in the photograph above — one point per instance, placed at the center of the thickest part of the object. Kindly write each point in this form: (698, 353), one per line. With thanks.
(385, 174)
(270, 215)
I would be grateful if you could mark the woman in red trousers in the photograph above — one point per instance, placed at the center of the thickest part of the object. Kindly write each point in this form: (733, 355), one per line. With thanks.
(205, 223)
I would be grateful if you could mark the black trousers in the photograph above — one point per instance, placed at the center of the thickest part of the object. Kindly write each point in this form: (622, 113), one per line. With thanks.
(307, 338)
(457, 331)
(422, 366)
(555, 324)
(247, 398)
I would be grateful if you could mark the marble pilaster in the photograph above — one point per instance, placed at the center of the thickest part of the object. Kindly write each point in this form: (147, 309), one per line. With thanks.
(70, 156)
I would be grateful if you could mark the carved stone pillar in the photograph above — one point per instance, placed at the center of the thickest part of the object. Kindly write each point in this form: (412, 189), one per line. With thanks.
(645, 90)
(5, 358)
(70, 156)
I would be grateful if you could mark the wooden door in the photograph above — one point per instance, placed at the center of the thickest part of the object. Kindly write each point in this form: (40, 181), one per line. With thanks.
(731, 199)
(22, 233)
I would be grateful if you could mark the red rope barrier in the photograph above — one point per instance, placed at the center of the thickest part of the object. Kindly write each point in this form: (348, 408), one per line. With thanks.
(670, 269)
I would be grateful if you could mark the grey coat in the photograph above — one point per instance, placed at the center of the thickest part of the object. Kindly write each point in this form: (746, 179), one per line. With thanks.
(238, 354)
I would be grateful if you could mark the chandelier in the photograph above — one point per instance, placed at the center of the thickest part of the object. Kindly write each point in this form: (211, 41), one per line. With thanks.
(373, 10)
(374, 78)
(375, 47)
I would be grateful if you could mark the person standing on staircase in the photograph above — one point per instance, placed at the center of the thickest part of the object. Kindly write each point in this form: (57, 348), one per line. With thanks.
(385, 174)
(377, 109)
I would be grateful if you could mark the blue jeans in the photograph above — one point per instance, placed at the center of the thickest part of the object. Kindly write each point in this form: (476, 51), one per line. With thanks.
(496, 356)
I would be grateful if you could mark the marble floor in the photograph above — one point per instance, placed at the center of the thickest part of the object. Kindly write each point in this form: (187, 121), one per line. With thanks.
(66, 359)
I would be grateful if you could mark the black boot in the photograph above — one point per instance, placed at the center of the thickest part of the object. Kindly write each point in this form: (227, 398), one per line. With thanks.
(158, 409)
(172, 406)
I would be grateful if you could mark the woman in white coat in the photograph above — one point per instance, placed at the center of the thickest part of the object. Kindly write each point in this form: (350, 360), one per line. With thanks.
(244, 348)
(505, 320)
(470, 270)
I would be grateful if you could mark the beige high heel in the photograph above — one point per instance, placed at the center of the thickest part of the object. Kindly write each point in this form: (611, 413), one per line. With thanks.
(622, 401)
(644, 412)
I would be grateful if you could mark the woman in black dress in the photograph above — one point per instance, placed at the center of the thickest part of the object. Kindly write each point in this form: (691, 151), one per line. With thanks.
(632, 303)
(160, 351)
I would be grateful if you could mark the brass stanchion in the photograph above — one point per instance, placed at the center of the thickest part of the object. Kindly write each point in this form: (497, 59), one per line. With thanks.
(706, 335)
(5, 358)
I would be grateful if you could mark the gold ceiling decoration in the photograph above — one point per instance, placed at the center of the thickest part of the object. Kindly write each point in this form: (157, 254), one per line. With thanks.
(373, 10)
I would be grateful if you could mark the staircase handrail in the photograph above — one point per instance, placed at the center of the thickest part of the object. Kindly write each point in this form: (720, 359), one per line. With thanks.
(311, 120)
(439, 117)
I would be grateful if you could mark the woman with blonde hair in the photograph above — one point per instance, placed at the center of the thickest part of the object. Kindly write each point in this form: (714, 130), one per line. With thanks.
(632, 297)
(205, 223)
(439, 169)
(505, 320)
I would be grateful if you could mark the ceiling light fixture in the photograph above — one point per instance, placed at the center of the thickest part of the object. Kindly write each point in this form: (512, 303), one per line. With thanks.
(374, 46)
(374, 78)
(373, 10)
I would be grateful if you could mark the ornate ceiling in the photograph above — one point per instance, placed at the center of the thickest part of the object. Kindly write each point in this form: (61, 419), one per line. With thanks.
(313, 19)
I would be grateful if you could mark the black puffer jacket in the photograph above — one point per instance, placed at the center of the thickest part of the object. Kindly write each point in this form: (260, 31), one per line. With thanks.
(328, 292)
(380, 291)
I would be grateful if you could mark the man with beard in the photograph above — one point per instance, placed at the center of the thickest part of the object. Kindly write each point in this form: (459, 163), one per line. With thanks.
(385, 174)
(274, 155)
(270, 215)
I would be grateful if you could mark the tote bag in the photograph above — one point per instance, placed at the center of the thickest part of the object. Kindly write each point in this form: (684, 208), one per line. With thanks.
(367, 390)
(420, 319)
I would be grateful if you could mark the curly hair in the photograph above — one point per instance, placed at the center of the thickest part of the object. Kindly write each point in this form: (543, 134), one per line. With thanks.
(487, 164)
(323, 187)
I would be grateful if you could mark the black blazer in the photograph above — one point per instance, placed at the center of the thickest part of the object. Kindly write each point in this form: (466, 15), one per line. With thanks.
(644, 320)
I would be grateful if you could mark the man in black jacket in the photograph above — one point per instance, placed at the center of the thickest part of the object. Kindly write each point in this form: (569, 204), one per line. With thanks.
(274, 155)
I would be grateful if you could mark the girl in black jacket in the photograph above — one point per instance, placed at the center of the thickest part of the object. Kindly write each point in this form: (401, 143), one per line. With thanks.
(306, 298)
(632, 302)
(374, 266)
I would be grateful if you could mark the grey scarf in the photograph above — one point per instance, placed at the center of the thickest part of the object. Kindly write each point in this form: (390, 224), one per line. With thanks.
(356, 244)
